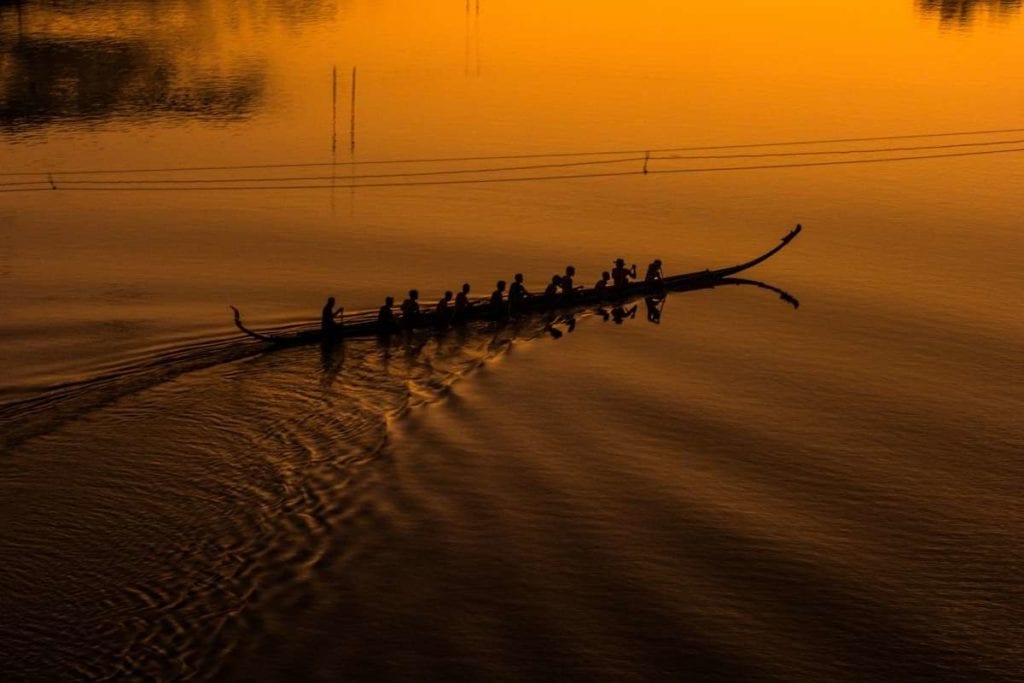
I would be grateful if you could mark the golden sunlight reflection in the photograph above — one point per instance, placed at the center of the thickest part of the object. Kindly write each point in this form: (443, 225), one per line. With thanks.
(812, 474)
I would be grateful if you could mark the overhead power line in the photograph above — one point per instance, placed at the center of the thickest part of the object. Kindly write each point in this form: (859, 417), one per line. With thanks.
(544, 155)
(830, 152)
(410, 174)
(506, 169)
(101, 186)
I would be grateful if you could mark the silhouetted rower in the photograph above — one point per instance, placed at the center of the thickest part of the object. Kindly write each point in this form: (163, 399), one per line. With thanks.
(462, 302)
(517, 293)
(551, 292)
(567, 282)
(386, 323)
(654, 274)
(328, 316)
(498, 299)
(602, 285)
(411, 309)
(621, 274)
(442, 313)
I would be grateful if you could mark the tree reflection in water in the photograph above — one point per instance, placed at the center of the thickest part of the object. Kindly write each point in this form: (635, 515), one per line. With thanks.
(44, 81)
(82, 62)
(963, 12)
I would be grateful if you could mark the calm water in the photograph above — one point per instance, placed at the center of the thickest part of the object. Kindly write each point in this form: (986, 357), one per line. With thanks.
(743, 491)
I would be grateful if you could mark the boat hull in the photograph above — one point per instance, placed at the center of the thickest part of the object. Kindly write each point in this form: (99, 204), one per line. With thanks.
(365, 324)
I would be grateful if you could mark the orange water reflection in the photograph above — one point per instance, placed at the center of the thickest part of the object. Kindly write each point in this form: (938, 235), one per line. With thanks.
(804, 493)
(201, 83)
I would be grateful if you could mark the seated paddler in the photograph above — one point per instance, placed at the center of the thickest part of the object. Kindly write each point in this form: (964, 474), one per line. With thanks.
(411, 309)
(462, 303)
(568, 283)
(621, 274)
(551, 292)
(497, 306)
(654, 274)
(517, 292)
(327, 317)
(386, 323)
(442, 311)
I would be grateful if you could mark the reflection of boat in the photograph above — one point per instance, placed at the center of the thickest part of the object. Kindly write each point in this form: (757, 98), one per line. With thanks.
(365, 324)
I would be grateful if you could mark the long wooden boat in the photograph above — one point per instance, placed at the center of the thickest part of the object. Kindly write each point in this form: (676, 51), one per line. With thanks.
(364, 324)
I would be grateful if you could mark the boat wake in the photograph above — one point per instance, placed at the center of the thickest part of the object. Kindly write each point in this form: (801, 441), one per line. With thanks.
(214, 485)
(188, 508)
(52, 407)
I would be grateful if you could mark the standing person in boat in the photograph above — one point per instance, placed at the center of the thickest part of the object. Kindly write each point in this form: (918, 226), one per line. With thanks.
(327, 317)
(462, 303)
(411, 309)
(517, 293)
(442, 313)
(621, 274)
(602, 285)
(567, 284)
(551, 292)
(386, 318)
(654, 274)
(498, 309)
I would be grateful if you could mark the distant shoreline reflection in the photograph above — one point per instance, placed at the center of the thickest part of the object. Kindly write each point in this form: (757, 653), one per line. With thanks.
(964, 12)
(81, 63)
(49, 81)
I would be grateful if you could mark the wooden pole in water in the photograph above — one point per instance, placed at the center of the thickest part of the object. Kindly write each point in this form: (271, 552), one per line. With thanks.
(334, 111)
(334, 133)
(352, 122)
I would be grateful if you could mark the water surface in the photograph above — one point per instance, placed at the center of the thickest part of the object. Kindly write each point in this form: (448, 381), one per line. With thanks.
(745, 490)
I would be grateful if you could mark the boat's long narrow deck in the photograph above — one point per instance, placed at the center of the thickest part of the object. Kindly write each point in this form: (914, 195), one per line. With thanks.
(364, 323)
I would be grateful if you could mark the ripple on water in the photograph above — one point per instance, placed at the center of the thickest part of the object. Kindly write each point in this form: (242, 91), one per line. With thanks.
(182, 509)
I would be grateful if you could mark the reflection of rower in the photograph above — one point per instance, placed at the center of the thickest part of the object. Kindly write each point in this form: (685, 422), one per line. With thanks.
(620, 313)
(654, 306)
